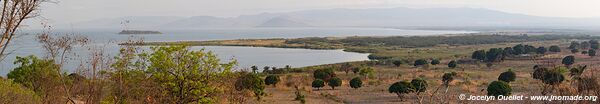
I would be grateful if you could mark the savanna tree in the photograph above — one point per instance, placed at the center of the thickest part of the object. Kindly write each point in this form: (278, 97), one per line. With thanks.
(508, 76)
(568, 60)
(356, 83)
(453, 64)
(554, 48)
(497, 88)
(420, 62)
(334, 82)
(272, 80)
(435, 61)
(401, 88)
(419, 85)
(318, 83)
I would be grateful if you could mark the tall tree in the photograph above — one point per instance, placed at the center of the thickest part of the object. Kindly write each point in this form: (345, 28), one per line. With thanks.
(13, 13)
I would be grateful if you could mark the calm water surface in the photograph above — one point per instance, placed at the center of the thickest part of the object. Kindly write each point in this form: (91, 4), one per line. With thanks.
(107, 39)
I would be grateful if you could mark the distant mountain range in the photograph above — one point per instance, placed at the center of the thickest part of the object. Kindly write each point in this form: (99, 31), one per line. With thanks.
(380, 17)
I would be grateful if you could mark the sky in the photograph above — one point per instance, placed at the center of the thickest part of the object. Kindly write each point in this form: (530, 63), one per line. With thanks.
(70, 11)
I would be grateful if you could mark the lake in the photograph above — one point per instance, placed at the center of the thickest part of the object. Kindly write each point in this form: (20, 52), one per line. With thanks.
(107, 40)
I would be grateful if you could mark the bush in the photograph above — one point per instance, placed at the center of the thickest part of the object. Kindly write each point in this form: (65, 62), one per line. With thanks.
(397, 63)
(355, 83)
(592, 52)
(435, 61)
(272, 80)
(400, 88)
(453, 64)
(575, 51)
(318, 83)
(11, 92)
(553, 77)
(538, 73)
(419, 85)
(334, 82)
(324, 74)
(479, 55)
(554, 48)
(448, 77)
(421, 62)
(568, 60)
(39, 75)
(366, 71)
(508, 76)
(497, 88)
(252, 82)
(541, 50)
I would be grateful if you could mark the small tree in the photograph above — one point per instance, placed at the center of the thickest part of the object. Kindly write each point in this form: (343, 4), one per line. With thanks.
(453, 64)
(421, 62)
(397, 63)
(318, 83)
(592, 52)
(574, 51)
(508, 76)
(568, 60)
(541, 50)
(401, 88)
(252, 82)
(355, 83)
(334, 82)
(447, 78)
(538, 73)
(554, 48)
(435, 61)
(366, 71)
(553, 77)
(272, 80)
(419, 85)
(497, 88)
(479, 55)
(324, 74)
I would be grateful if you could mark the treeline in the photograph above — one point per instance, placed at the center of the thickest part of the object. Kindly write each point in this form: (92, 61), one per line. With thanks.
(428, 41)
(499, 54)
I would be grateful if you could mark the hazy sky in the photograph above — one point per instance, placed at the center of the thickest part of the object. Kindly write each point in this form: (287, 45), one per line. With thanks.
(66, 11)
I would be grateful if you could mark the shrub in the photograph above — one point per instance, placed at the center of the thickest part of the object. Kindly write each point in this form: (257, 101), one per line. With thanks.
(479, 55)
(508, 76)
(421, 62)
(541, 50)
(453, 64)
(272, 80)
(366, 71)
(568, 60)
(435, 61)
(592, 52)
(497, 88)
(324, 74)
(538, 73)
(334, 82)
(448, 77)
(553, 77)
(575, 51)
(355, 83)
(554, 48)
(11, 92)
(419, 85)
(397, 63)
(400, 88)
(318, 83)
(252, 82)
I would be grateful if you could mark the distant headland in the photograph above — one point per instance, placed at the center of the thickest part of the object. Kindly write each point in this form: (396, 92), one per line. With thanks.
(139, 32)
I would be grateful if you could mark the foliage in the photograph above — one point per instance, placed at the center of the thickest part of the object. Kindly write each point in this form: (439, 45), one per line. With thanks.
(575, 51)
(508, 76)
(252, 82)
(189, 76)
(574, 45)
(11, 92)
(39, 75)
(554, 48)
(299, 96)
(568, 60)
(494, 55)
(318, 83)
(272, 80)
(479, 55)
(400, 88)
(366, 71)
(497, 88)
(419, 85)
(421, 62)
(453, 64)
(397, 63)
(324, 74)
(447, 78)
(538, 73)
(435, 61)
(577, 71)
(553, 77)
(334, 82)
(592, 52)
(356, 83)
(541, 50)
(254, 68)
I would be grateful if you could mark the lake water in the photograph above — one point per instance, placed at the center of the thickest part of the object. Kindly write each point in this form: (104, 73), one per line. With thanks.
(107, 40)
